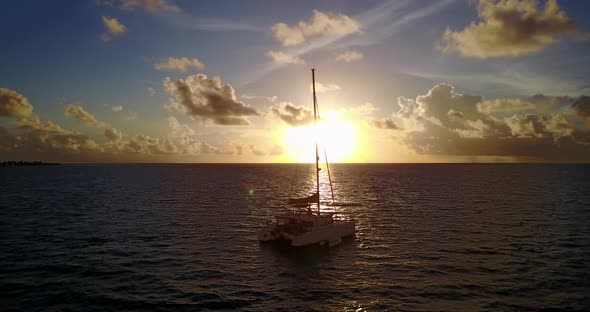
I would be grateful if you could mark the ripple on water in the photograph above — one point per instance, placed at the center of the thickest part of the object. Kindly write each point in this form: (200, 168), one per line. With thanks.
(183, 238)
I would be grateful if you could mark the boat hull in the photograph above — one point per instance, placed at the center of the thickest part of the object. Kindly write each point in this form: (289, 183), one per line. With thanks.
(329, 235)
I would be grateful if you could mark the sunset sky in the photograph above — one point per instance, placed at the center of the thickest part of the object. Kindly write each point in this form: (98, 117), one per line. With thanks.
(230, 81)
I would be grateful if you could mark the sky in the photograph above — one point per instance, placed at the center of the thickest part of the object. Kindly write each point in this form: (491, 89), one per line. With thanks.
(230, 81)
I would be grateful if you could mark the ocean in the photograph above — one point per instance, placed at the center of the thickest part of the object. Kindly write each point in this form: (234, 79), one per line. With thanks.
(429, 237)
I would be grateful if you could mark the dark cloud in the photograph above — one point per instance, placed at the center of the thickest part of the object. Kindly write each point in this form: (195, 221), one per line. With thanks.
(6, 140)
(444, 122)
(47, 138)
(510, 28)
(113, 134)
(152, 6)
(13, 103)
(582, 106)
(293, 115)
(208, 99)
(385, 124)
(454, 114)
(36, 139)
(505, 105)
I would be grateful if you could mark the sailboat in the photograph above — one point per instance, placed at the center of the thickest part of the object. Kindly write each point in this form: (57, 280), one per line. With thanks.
(308, 228)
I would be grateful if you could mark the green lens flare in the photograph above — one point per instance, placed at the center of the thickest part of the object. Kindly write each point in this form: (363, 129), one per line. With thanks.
(251, 192)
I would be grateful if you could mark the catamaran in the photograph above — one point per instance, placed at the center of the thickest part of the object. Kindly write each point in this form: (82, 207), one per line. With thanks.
(308, 228)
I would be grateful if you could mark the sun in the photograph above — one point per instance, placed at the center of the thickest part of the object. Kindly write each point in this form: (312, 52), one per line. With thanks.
(337, 136)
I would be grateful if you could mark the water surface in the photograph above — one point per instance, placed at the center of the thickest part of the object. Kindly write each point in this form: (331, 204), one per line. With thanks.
(183, 237)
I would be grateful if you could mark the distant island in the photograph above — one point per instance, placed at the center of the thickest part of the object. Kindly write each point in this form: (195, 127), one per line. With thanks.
(15, 163)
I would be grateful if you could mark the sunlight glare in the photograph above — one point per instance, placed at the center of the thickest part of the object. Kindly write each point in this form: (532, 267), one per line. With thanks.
(338, 136)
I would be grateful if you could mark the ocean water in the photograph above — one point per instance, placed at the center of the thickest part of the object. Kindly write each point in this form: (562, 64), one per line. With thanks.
(183, 238)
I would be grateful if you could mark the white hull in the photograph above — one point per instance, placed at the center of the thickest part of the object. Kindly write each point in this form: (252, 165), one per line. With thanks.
(330, 234)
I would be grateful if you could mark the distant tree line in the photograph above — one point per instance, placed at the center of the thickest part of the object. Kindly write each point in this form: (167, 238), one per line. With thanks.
(14, 163)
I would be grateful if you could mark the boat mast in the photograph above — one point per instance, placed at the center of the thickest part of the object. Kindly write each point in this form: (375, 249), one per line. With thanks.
(317, 157)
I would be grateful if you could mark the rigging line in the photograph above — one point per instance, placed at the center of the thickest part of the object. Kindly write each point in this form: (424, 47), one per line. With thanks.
(315, 123)
(329, 176)
(326, 158)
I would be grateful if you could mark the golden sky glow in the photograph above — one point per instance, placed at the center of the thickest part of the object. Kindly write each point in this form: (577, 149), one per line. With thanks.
(396, 81)
(339, 137)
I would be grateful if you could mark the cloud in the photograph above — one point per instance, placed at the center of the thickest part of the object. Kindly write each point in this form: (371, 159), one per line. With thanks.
(113, 27)
(384, 124)
(131, 115)
(510, 28)
(271, 99)
(323, 88)
(319, 25)
(256, 151)
(293, 115)
(535, 126)
(512, 80)
(33, 123)
(445, 122)
(349, 56)
(380, 23)
(36, 139)
(208, 24)
(504, 105)
(152, 6)
(117, 108)
(6, 140)
(13, 103)
(364, 109)
(284, 58)
(276, 150)
(151, 91)
(85, 117)
(113, 134)
(47, 138)
(581, 106)
(182, 64)
(180, 130)
(208, 99)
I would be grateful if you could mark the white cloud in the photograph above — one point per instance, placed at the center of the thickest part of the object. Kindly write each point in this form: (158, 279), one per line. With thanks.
(151, 91)
(510, 28)
(349, 56)
(320, 24)
(322, 88)
(284, 58)
(366, 108)
(117, 108)
(13, 103)
(85, 117)
(180, 130)
(181, 64)
(267, 98)
(113, 29)
(131, 115)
